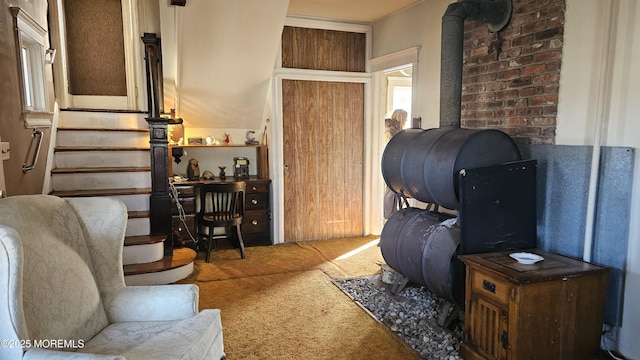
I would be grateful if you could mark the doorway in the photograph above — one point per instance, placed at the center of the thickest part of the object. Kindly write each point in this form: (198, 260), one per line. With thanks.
(398, 83)
(98, 54)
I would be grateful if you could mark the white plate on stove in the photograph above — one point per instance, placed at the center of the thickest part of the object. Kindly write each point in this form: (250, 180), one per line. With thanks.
(526, 258)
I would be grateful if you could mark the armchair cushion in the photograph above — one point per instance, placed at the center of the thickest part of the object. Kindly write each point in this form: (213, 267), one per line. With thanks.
(149, 339)
(153, 303)
(61, 278)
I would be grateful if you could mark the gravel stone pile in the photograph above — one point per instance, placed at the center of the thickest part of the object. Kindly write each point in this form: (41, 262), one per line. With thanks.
(412, 315)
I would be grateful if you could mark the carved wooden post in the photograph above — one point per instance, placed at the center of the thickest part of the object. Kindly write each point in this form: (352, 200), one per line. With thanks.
(160, 201)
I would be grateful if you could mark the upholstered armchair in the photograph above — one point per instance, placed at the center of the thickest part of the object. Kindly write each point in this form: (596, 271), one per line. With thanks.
(63, 296)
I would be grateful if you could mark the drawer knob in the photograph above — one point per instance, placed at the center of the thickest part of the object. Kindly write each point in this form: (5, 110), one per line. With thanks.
(489, 286)
(254, 201)
(254, 222)
(254, 188)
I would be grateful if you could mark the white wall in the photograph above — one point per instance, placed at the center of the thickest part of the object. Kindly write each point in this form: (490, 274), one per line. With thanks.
(600, 85)
(219, 58)
(419, 25)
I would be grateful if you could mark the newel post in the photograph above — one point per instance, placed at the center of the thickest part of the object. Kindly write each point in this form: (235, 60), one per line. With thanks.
(160, 201)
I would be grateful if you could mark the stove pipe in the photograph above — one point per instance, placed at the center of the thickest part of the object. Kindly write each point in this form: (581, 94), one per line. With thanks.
(496, 13)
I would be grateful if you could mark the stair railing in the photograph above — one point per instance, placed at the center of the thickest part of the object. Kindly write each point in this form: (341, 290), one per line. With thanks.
(35, 134)
(153, 67)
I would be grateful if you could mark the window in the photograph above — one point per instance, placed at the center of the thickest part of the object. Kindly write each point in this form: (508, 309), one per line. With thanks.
(31, 40)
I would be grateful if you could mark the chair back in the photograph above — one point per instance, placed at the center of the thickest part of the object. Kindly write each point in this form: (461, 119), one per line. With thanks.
(52, 291)
(222, 203)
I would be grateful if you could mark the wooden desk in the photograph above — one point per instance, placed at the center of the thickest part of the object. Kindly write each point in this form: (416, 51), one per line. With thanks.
(256, 225)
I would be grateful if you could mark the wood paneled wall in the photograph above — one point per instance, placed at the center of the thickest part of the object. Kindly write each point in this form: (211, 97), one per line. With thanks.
(323, 125)
(319, 49)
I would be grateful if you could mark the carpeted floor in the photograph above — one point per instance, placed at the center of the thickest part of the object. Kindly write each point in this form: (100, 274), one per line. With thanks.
(281, 303)
(341, 258)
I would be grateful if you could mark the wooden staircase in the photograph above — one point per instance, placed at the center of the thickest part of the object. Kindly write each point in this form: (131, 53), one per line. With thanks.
(107, 154)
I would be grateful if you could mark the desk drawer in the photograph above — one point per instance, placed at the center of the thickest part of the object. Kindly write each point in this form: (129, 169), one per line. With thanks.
(257, 187)
(185, 191)
(490, 287)
(256, 202)
(188, 205)
(256, 221)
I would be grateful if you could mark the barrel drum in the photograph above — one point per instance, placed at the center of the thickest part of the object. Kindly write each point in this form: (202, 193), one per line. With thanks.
(424, 164)
(421, 245)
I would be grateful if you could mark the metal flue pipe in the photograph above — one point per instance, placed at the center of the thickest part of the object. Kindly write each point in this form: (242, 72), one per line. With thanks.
(496, 13)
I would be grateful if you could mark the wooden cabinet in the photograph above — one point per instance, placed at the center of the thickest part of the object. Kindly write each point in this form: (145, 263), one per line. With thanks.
(553, 309)
(256, 225)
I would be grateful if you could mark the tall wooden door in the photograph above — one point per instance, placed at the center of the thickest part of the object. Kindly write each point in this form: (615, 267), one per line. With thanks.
(323, 124)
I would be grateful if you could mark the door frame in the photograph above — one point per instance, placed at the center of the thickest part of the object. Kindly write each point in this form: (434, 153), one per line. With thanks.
(379, 67)
(135, 76)
(276, 159)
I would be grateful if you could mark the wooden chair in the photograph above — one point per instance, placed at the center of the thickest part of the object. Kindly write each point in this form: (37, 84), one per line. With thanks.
(221, 205)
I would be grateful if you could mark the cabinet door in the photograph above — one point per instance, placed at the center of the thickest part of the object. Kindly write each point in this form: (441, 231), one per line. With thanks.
(487, 331)
(186, 229)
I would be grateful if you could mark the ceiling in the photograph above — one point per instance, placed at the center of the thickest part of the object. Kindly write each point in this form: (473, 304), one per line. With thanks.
(348, 10)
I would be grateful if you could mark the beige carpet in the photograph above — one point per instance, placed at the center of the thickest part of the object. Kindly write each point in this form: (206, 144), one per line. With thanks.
(281, 303)
(341, 258)
(297, 315)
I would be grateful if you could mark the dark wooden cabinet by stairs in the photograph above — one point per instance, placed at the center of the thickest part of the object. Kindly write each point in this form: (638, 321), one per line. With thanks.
(107, 154)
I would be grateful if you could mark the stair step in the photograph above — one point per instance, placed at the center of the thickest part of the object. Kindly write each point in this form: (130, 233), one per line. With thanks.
(91, 179)
(143, 240)
(97, 158)
(168, 270)
(102, 192)
(100, 148)
(138, 226)
(135, 201)
(102, 119)
(143, 249)
(114, 138)
(138, 214)
(87, 170)
(180, 257)
(101, 129)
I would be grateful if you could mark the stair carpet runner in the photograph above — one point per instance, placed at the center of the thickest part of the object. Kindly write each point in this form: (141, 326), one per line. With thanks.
(107, 154)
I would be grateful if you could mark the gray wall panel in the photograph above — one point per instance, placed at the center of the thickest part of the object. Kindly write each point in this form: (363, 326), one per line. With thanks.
(563, 186)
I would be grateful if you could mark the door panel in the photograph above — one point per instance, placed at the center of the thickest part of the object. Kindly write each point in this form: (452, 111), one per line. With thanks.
(323, 124)
(99, 66)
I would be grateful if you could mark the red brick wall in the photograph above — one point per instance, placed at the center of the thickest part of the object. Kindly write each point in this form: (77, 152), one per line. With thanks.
(511, 79)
